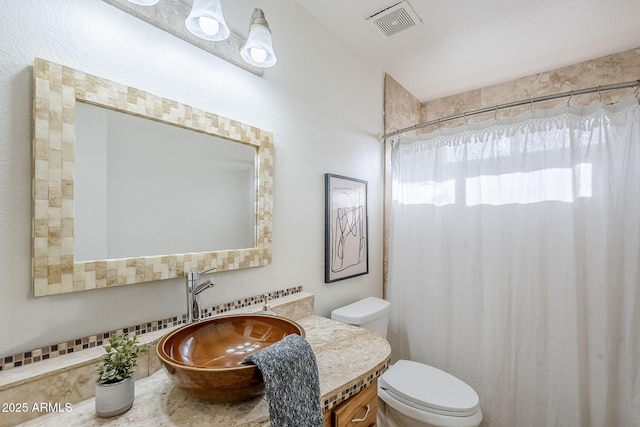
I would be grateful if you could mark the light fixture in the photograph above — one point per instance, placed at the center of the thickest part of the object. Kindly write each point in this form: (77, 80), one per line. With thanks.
(144, 2)
(207, 21)
(206, 28)
(258, 50)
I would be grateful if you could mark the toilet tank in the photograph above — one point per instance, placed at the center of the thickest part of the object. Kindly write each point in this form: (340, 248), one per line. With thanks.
(370, 313)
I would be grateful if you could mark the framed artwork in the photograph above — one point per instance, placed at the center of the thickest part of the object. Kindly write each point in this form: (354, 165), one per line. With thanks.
(346, 244)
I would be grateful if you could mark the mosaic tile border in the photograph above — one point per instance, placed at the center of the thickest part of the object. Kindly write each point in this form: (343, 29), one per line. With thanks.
(79, 344)
(347, 393)
(57, 89)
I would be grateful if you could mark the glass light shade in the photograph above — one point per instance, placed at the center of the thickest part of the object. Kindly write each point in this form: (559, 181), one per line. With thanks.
(200, 20)
(258, 50)
(209, 26)
(258, 55)
(144, 2)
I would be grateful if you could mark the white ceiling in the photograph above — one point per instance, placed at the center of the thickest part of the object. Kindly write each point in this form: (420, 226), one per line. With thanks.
(468, 44)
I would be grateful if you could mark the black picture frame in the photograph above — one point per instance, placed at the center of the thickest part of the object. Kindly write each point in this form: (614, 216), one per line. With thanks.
(346, 247)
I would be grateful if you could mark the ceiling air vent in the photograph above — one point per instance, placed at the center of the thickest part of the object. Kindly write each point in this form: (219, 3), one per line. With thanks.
(394, 19)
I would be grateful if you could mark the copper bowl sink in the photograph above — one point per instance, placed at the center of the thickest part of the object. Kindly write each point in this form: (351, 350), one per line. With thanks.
(203, 358)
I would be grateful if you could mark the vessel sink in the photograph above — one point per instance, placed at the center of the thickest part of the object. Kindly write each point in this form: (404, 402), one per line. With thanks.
(204, 358)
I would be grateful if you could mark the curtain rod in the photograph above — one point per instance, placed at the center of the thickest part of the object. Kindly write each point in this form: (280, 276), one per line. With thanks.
(495, 108)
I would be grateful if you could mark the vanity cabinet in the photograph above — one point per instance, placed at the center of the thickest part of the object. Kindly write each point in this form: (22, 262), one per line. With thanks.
(360, 410)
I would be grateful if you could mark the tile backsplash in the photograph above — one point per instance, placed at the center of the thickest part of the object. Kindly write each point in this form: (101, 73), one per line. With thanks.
(83, 343)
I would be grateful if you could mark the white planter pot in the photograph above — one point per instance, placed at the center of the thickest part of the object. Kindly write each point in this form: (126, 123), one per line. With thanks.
(114, 399)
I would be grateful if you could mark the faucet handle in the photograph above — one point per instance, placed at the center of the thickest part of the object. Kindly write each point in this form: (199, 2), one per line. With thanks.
(207, 270)
(195, 275)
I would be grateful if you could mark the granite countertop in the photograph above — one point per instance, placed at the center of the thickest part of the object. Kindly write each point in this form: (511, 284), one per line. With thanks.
(349, 358)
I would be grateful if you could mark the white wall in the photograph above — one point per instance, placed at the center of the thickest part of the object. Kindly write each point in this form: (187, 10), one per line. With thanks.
(322, 101)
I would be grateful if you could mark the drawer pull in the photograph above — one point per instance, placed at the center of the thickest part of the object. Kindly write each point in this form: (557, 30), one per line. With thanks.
(366, 414)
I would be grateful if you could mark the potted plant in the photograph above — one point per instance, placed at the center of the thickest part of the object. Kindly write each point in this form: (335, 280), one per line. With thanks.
(115, 385)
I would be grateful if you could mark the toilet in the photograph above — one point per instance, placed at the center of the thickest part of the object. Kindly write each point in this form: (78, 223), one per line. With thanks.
(412, 394)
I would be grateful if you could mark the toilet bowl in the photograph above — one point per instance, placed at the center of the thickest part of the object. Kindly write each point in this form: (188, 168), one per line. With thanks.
(412, 394)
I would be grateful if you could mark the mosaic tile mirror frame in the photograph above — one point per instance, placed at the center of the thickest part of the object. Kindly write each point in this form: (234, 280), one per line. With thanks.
(57, 88)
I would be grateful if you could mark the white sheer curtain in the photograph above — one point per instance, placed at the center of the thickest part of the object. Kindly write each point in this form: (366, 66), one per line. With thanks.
(515, 263)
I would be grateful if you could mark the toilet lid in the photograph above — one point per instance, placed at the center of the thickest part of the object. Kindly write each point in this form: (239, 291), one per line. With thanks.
(362, 312)
(430, 389)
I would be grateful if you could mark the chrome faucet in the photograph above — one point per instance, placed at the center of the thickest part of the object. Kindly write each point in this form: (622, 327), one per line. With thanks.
(194, 289)
(266, 307)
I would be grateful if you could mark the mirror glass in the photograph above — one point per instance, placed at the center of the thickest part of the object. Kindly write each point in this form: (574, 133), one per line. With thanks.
(192, 191)
(144, 187)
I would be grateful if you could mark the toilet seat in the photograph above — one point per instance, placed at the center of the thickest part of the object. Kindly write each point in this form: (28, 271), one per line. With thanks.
(429, 389)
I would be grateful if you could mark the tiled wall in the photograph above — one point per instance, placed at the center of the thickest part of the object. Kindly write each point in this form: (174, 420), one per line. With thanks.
(616, 68)
(401, 109)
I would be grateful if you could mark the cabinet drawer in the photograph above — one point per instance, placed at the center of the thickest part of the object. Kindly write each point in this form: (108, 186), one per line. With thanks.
(359, 411)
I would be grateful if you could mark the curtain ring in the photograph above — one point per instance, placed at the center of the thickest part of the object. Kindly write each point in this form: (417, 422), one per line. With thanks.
(599, 94)
(530, 105)
(569, 100)
(464, 115)
(495, 114)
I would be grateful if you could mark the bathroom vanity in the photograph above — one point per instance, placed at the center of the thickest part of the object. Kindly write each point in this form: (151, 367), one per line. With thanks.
(350, 359)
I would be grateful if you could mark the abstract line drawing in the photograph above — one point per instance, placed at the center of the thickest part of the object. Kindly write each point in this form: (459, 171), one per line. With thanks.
(346, 237)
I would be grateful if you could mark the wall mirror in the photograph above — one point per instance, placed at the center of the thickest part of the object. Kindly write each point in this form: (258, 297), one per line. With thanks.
(214, 186)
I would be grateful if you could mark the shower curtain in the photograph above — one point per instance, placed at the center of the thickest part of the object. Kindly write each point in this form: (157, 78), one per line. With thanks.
(515, 263)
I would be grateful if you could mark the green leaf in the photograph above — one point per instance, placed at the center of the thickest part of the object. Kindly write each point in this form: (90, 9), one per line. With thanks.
(120, 358)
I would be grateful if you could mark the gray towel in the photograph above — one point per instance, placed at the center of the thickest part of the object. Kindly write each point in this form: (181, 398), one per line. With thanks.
(292, 385)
